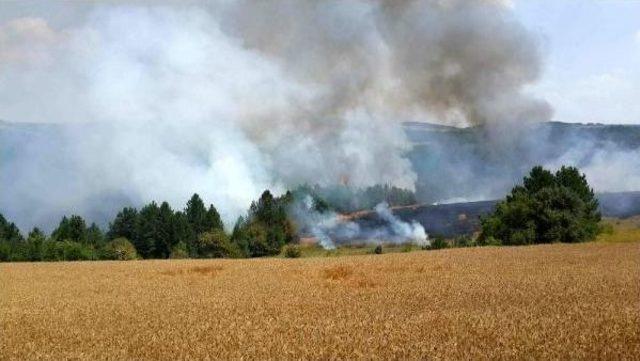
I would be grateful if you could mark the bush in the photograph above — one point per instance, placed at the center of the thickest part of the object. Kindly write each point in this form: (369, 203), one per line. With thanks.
(216, 244)
(19, 252)
(257, 241)
(74, 251)
(179, 251)
(489, 241)
(52, 251)
(66, 251)
(292, 251)
(463, 241)
(439, 243)
(378, 249)
(35, 243)
(120, 249)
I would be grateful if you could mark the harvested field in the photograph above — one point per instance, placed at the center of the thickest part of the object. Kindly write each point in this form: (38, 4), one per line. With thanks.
(541, 302)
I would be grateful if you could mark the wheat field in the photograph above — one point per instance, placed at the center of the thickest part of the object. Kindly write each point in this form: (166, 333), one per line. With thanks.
(539, 302)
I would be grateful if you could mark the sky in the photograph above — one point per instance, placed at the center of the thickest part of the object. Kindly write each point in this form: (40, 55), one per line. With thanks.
(591, 51)
(592, 65)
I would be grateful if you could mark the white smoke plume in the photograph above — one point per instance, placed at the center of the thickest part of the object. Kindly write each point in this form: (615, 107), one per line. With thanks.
(232, 98)
(402, 231)
(330, 229)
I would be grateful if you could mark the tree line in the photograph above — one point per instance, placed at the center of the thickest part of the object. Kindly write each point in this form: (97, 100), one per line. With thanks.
(547, 207)
(157, 231)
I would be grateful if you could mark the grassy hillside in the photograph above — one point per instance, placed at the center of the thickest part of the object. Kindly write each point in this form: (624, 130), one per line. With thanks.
(478, 163)
(621, 230)
(450, 220)
(560, 301)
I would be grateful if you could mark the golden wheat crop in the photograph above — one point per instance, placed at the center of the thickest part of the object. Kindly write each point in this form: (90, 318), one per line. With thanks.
(540, 302)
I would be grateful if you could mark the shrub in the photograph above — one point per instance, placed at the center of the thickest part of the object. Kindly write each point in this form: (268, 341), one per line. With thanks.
(378, 249)
(179, 251)
(216, 244)
(75, 251)
(35, 243)
(119, 249)
(19, 252)
(66, 251)
(463, 241)
(257, 240)
(52, 251)
(489, 241)
(438, 243)
(292, 251)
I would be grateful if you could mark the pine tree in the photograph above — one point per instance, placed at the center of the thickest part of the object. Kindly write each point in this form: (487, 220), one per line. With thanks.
(181, 230)
(63, 231)
(77, 229)
(213, 220)
(72, 229)
(125, 225)
(546, 208)
(148, 231)
(164, 239)
(35, 244)
(9, 232)
(95, 237)
(196, 214)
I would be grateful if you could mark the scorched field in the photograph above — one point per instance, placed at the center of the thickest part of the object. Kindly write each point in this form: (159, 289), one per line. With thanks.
(541, 302)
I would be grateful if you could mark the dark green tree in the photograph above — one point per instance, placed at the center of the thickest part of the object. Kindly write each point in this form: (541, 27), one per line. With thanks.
(197, 215)
(63, 231)
(9, 232)
(200, 220)
(268, 228)
(35, 244)
(547, 208)
(72, 229)
(213, 220)
(149, 230)
(95, 237)
(125, 225)
(182, 232)
(164, 238)
(538, 179)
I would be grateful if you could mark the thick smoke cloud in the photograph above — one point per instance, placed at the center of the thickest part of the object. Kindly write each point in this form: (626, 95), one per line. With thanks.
(229, 99)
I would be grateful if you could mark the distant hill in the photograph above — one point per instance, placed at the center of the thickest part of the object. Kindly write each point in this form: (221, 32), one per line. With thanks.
(623, 134)
(478, 163)
(450, 220)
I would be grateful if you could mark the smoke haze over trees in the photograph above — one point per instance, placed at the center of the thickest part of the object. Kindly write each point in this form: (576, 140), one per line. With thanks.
(157, 232)
(220, 100)
(462, 164)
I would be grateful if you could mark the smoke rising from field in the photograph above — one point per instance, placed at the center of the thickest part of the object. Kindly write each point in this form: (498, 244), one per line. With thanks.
(401, 231)
(229, 99)
(330, 229)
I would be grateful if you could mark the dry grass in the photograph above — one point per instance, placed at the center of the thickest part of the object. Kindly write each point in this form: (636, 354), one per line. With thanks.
(623, 230)
(541, 302)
